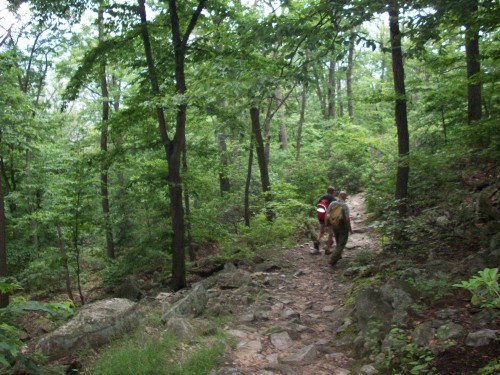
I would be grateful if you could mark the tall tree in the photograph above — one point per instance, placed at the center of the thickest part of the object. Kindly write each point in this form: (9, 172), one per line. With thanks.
(473, 62)
(104, 141)
(400, 110)
(173, 147)
(283, 136)
(303, 102)
(350, 55)
(261, 158)
(331, 89)
(248, 180)
(4, 298)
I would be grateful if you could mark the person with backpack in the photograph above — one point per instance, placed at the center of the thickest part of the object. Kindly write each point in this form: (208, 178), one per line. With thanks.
(321, 207)
(338, 216)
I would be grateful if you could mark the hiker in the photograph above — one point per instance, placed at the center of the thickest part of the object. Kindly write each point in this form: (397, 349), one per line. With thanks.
(338, 216)
(324, 226)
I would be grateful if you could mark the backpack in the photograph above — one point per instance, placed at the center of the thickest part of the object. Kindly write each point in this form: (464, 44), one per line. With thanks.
(321, 209)
(336, 216)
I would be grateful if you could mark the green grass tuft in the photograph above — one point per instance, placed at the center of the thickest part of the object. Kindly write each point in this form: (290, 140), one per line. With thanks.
(135, 357)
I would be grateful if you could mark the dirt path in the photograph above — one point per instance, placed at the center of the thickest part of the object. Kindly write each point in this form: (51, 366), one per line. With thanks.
(292, 329)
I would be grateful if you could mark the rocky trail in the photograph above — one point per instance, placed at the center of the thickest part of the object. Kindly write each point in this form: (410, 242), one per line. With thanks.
(290, 313)
(293, 328)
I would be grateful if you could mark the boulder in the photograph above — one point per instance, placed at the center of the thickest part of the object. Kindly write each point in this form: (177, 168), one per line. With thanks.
(192, 305)
(378, 309)
(229, 278)
(492, 255)
(368, 370)
(188, 329)
(289, 313)
(481, 338)
(449, 331)
(305, 355)
(94, 324)
(281, 340)
(181, 328)
(424, 334)
(399, 294)
(486, 204)
(372, 308)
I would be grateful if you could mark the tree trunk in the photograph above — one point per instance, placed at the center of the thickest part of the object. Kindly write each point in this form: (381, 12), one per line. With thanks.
(319, 92)
(340, 105)
(283, 133)
(331, 89)
(29, 155)
(122, 225)
(9, 186)
(4, 298)
(350, 55)
(176, 147)
(192, 255)
(64, 257)
(172, 151)
(224, 182)
(76, 237)
(261, 158)
(173, 148)
(443, 122)
(30, 196)
(110, 247)
(303, 102)
(247, 183)
(267, 129)
(400, 112)
(473, 65)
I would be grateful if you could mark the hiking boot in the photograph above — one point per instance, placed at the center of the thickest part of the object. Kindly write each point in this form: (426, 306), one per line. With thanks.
(328, 251)
(315, 251)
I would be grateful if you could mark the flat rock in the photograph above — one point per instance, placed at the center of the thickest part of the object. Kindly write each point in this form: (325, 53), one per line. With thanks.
(481, 338)
(94, 324)
(281, 340)
(305, 355)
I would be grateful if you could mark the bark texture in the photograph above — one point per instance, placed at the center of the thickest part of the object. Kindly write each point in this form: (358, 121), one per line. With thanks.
(4, 298)
(403, 170)
(473, 65)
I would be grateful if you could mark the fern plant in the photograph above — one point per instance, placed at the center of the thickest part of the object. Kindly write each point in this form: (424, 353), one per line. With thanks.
(484, 288)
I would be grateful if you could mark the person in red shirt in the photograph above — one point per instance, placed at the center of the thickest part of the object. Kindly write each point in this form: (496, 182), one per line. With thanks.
(324, 225)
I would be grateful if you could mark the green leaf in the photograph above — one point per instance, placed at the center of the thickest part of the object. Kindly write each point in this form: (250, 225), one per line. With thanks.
(3, 360)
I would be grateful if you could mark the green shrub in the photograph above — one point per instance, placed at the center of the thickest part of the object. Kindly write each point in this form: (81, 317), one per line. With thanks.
(363, 258)
(433, 288)
(403, 357)
(10, 345)
(492, 368)
(484, 288)
(45, 272)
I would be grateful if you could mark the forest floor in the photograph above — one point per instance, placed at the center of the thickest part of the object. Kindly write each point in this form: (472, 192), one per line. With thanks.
(313, 289)
(303, 304)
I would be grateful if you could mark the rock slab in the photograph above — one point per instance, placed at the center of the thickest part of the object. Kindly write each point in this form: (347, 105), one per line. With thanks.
(95, 324)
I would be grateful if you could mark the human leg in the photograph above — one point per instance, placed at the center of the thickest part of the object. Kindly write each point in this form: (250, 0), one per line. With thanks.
(341, 238)
(329, 241)
(320, 235)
